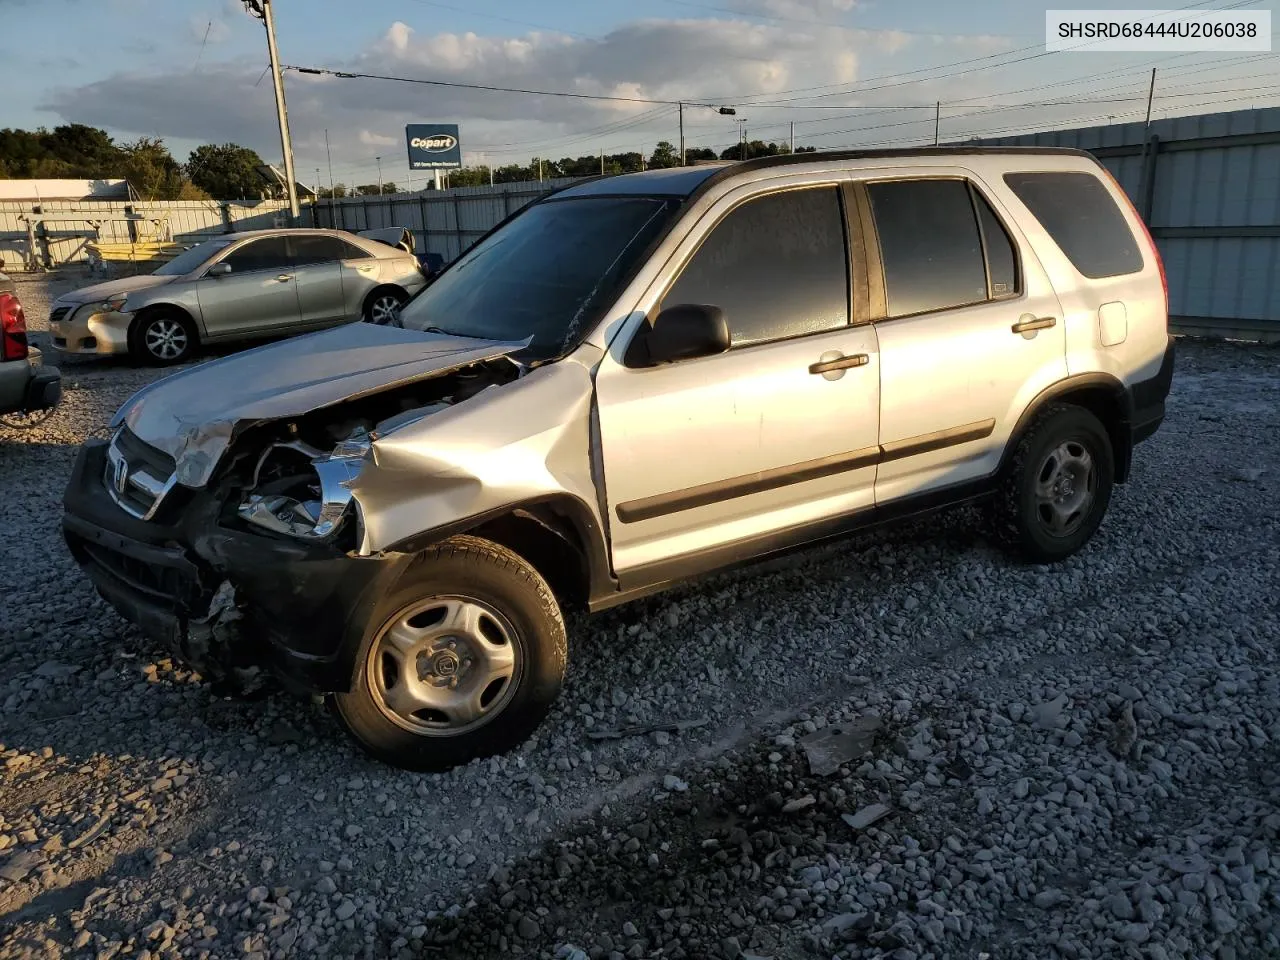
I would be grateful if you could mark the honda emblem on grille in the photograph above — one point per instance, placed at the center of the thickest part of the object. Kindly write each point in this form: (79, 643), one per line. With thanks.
(119, 471)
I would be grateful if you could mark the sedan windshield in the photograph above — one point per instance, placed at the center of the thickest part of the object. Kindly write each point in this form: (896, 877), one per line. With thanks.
(545, 275)
(189, 260)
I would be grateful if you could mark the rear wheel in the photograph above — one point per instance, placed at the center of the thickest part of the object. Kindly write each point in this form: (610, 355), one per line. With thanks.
(1058, 485)
(162, 337)
(463, 660)
(383, 306)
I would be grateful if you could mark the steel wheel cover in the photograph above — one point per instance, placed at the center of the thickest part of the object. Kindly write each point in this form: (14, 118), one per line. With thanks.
(1066, 486)
(444, 666)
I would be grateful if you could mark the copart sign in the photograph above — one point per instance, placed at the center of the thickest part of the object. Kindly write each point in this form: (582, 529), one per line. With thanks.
(433, 146)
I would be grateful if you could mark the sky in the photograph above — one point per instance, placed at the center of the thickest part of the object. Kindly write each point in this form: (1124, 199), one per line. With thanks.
(845, 72)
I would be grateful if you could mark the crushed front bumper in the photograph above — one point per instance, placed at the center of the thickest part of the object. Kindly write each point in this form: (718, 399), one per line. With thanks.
(85, 330)
(299, 611)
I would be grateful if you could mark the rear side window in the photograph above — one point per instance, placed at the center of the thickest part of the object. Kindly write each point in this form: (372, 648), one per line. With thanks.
(1076, 210)
(930, 245)
(321, 249)
(1002, 262)
(777, 266)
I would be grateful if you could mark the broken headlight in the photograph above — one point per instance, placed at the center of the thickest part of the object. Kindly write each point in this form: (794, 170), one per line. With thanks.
(301, 492)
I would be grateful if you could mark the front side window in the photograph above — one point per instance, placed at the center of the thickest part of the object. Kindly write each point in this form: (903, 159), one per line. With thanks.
(269, 253)
(1076, 210)
(545, 275)
(929, 244)
(190, 260)
(777, 265)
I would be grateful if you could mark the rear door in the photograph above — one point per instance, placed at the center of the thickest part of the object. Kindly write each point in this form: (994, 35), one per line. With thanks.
(317, 267)
(258, 296)
(969, 327)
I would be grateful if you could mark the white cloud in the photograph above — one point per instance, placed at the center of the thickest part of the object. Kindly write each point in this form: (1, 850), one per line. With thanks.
(716, 59)
(377, 139)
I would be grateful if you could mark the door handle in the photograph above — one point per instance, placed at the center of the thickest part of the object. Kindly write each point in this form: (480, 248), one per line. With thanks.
(285, 277)
(1037, 323)
(840, 363)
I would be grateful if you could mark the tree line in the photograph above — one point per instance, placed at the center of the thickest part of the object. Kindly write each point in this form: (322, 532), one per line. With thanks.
(74, 151)
(229, 171)
(665, 155)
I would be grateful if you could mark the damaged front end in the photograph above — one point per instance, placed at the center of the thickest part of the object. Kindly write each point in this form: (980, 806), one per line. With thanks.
(264, 567)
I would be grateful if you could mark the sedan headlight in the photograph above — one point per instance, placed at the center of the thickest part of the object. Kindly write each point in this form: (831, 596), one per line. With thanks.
(313, 510)
(115, 304)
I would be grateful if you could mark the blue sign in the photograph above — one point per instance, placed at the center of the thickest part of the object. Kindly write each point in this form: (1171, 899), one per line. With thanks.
(433, 146)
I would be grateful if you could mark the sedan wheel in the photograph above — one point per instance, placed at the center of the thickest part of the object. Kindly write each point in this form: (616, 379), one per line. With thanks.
(384, 309)
(161, 338)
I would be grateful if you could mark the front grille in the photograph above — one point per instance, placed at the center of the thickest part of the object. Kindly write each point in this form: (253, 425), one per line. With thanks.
(59, 313)
(137, 475)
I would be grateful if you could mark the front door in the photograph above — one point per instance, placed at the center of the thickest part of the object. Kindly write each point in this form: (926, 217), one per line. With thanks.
(259, 295)
(710, 452)
(970, 331)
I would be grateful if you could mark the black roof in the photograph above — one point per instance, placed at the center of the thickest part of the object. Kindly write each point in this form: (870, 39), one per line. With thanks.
(685, 181)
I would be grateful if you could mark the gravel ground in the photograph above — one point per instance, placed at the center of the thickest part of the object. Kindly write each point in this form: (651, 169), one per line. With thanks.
(1077, 761)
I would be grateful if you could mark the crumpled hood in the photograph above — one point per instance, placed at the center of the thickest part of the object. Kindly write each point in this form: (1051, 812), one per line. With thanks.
(193, 415)
(112, 288)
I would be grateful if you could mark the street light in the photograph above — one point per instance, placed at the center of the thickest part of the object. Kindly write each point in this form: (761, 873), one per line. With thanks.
(262, 10)
(742, 136)
(723, 111)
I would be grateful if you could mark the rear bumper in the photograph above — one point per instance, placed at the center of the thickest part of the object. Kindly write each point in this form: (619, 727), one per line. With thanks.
(300, 610)
(29, 385)
(1147, 399)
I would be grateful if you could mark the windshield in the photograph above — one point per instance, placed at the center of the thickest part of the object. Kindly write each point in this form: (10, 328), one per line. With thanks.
(188, 260)
(543, 276)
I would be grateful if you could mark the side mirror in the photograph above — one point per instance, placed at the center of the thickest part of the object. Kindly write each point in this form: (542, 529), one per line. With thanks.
(686, 331)
(219, 270)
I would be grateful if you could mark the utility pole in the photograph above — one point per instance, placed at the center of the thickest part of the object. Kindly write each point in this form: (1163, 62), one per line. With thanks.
(1151, 92)
(742, 135)
(682, 161)
(602, 161)
(262, 10)
(937, 121)
(333, 220)
(793, 136)
(379, 159)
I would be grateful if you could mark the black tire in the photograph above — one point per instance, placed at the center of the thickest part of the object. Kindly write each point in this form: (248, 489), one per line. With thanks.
(1042, 530)
(162, 336)
(375, 305)
(466, 570)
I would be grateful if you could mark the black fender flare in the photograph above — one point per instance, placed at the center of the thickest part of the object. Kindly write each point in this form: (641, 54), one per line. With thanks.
(1117, 417)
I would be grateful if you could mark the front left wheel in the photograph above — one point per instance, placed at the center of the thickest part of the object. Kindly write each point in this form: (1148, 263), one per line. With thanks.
(463, 659)
(162, 337)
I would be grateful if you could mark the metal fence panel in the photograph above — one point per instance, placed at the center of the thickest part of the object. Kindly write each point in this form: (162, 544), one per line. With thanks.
(446, 222)
(68, 226)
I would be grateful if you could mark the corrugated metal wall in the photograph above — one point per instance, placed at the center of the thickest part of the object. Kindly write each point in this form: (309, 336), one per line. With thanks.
(1209, 188)
(68, 225)
(446, 222)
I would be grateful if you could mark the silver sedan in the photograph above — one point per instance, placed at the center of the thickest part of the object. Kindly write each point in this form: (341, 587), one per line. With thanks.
(241, 286)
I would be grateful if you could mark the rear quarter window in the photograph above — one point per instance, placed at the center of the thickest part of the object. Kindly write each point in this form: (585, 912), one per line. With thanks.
(1078, 212)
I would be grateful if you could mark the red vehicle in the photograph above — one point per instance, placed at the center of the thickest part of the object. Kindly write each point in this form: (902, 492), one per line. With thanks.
(26, 385)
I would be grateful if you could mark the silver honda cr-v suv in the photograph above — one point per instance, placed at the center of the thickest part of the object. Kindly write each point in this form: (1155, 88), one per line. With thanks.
(631, 382)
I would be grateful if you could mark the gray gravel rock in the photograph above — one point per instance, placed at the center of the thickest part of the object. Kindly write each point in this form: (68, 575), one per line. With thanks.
(1023, 818)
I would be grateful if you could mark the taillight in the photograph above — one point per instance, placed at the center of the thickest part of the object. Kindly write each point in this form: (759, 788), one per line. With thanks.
(13, 328)
(1146, 232)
